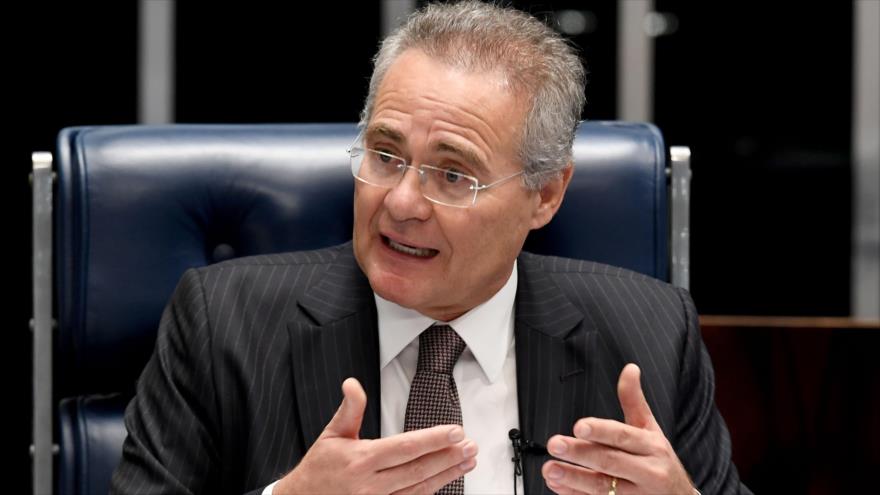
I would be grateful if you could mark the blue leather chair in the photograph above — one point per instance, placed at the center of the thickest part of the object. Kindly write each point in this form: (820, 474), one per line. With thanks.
(137, 205)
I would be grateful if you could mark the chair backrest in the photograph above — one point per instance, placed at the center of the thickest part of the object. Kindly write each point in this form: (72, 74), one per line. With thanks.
(138, 205)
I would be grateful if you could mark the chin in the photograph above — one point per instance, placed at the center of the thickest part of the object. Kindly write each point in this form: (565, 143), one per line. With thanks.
(395, 289)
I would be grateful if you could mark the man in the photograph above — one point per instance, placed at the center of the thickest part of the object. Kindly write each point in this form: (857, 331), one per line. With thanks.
(465, 148)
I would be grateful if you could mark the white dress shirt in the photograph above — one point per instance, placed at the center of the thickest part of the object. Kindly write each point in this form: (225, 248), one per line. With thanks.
(485, 376)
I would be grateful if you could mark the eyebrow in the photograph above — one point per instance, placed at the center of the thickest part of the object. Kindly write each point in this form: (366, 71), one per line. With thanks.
(387, 132)
(466, 154)
(469, 156)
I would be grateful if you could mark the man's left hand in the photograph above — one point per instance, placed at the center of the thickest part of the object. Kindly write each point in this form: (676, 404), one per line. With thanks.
(636, 453)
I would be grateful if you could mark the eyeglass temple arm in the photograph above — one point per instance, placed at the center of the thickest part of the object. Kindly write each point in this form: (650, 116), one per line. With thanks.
(499, 181)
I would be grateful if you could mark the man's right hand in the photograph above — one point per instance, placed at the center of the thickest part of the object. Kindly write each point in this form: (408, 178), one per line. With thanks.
(420, 461)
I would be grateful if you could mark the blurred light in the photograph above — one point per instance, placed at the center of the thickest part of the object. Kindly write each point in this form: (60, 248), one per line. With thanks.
(575, 22)
(660, 24)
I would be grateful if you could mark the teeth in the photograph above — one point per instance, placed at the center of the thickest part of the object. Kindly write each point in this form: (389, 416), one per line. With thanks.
(403, 248)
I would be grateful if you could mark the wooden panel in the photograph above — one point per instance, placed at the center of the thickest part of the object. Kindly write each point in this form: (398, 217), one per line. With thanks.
(801, 397)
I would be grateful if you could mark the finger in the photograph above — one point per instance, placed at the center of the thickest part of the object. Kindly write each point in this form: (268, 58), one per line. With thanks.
(405, 447)
(441, 472)
(632, 399)
(569, 478)
(615, 434)
(598, 457)
(347, 420)
(558, 487)
(561, 489)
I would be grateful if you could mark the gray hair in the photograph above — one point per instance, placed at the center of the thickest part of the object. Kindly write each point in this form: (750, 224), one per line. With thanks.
(537, 62)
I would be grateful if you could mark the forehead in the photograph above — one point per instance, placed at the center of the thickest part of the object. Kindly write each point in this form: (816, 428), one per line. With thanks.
(425, 102)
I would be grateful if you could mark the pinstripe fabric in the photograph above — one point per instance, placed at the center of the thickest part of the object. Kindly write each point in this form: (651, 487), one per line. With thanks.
(251, 353)
(247, 371)
(578, 323)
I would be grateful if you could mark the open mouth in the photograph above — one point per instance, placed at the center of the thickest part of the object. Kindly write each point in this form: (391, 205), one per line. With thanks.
(410, 250)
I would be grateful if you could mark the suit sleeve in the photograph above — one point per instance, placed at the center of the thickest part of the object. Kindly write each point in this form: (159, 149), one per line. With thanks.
(702, 440)
(172, 423)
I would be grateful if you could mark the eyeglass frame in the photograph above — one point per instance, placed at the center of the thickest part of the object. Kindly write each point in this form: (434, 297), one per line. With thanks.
(475, 186)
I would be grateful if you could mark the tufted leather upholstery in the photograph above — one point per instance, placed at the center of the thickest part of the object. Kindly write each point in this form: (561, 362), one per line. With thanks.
(138, 205)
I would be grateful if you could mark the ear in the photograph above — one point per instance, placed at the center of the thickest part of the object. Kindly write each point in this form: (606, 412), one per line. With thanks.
(550, 198)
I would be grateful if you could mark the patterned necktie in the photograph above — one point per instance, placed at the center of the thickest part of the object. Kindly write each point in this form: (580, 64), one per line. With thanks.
(433, 398)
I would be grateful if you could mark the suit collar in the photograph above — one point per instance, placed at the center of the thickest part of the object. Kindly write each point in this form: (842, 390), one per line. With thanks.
(483, 328)
(344, 289)
(540, 304)
(341, 290)
(337, 339)
(551, 367)
(340, 339)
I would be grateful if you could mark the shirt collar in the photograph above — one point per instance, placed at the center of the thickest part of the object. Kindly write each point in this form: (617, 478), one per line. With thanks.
(483, 328)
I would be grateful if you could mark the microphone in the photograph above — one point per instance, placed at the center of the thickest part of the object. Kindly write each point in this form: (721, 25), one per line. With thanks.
(516, 438)
(520, 447)
(523, 446)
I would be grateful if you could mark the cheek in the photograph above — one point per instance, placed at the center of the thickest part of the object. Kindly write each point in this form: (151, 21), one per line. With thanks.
(359, 216)
(366, 203)
(489, 240)
(508, 232)
(365, 210)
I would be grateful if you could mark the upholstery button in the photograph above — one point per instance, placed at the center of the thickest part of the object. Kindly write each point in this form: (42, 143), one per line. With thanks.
(223, 252)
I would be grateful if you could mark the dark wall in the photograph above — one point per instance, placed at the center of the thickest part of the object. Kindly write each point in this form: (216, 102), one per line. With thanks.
(762, 93)
(274, 62)
(804, 416)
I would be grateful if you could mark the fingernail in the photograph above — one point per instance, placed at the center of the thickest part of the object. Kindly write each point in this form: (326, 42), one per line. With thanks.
(558, 447)
(555, 473)
(583, 431)
(470, 449)
(468, 464)
(456, 434)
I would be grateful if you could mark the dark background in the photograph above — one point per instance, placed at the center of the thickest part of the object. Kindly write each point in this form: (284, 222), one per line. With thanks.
(761, 92)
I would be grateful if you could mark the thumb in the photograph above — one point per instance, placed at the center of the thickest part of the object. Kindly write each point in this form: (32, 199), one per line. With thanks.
(347, 420)
(636, 410)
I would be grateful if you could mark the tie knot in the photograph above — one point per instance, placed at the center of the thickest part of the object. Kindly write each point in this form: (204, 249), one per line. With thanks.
(439, 349)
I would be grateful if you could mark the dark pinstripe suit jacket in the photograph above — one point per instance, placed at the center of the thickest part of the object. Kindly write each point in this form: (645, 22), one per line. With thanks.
(251, 353)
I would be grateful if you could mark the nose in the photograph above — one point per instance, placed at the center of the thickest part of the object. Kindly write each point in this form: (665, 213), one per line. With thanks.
(405, 201)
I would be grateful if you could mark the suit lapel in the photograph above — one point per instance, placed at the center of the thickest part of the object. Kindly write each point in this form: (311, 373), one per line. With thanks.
(551, 366)
(334, 338)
